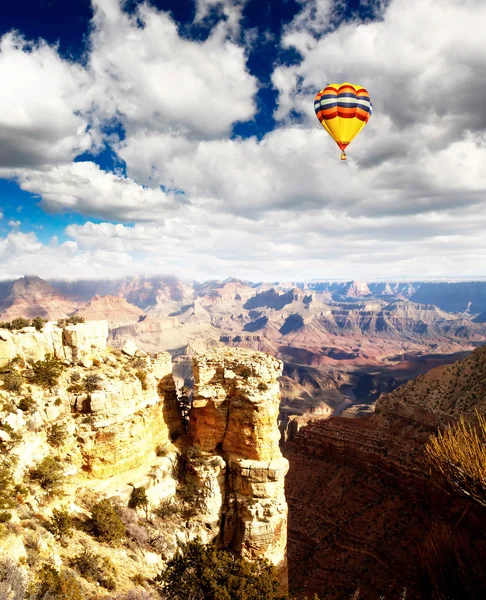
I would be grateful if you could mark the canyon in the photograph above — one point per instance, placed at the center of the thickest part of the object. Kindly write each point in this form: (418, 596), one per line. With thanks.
(342, 344)
(338, 505)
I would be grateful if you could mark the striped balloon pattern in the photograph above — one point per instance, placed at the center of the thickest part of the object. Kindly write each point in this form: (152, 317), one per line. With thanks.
(343, 110)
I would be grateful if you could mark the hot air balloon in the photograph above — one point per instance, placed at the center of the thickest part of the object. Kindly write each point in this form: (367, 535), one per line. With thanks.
(343, 110)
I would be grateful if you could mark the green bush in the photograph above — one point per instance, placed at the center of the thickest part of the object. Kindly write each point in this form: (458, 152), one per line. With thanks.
(48, 473)
(57, 435)
(58, 585)
(38, 323)
(61, 523)
(205, 573)
(26, 403)
(13, 382)
(105, 522)
(161, 450)
(47, 372)
(91, 382)
(245, 373)
(20, 323)
(138, 499)
(166, 509)
(95, 568)
(142, 376)
(262, 387)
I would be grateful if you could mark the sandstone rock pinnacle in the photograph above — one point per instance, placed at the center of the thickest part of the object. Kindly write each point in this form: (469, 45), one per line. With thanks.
(234, 415)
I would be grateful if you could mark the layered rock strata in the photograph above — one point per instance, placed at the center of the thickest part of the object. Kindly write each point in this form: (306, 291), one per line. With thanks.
(119, 426)
(71, 343)
(362, 503)
(234, 415)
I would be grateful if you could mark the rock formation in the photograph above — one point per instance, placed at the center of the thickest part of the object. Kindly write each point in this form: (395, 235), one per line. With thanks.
(361, 500)
(234, 415)
(73, 342)
(122, 428)
(114, 309)
(32, 296)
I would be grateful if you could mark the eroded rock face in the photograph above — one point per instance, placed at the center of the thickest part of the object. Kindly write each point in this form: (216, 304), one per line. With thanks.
(74, 342)
(122, 428)
(234, 414)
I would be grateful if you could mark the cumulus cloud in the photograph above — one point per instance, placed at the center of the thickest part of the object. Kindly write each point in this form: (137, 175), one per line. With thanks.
(14, 224)
(417, 75)
(231, 10)
(41, 103)
(148, 76)
(83, 187)
(409, 202)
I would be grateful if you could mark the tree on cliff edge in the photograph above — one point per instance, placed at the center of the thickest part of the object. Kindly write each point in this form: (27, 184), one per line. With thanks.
(199, 572)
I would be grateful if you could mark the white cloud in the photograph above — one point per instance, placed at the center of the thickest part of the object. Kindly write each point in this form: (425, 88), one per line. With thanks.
(150, 77)
(40, 102)
(230, 9)
(14, 224)
(84, 188)
(410, 201)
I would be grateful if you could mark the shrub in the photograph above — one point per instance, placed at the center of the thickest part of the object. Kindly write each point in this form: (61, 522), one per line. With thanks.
(95, 568)
(58, 585)
(74, 320)
(26, 403)
(135, 594)
(47, 372)
(61, 523)
(13, 580)
(245, 373)
(138, 499)
(38, 323)
(57, 435)
(13, 382)
(262, 387)
(454, 563)
(75, 377)
(20, 323)
(457, 458)
(6, 484)
(139, 579)
(139, 363)
(48, 473)
(13, 365)
(205, 573)
(161, 450)
(166, 509)
(91, 382)
(142, 376)
(106, 523)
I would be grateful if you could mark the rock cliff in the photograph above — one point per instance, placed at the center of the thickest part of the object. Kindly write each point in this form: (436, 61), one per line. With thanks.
(362, 504)
(234, 415)
(112, 422)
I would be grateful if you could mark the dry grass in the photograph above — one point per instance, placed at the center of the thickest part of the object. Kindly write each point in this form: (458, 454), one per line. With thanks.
(458, 458)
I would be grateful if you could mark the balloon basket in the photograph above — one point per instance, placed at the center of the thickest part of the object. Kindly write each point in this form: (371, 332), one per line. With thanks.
(343, 155)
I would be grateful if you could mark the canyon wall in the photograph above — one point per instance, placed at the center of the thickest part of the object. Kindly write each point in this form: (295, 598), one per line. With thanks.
(362, 503)
(123, 428)
(234, 415)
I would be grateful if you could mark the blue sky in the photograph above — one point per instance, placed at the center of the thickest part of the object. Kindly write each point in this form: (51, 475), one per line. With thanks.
(179, 137)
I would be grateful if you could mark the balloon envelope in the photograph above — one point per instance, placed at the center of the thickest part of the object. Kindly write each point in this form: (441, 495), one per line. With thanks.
(343, 110)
